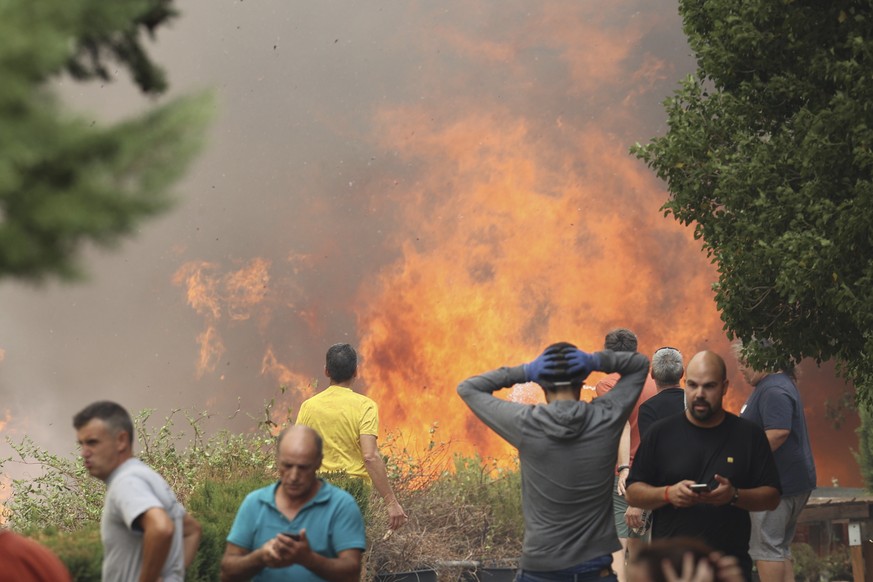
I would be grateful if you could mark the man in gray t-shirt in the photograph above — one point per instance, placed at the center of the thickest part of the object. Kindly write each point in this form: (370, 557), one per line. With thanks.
(146, 533)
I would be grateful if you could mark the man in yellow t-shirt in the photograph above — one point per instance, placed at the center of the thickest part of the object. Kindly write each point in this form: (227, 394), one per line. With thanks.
(348, 423)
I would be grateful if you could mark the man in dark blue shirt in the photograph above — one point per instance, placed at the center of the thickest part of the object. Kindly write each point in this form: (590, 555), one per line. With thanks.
(775, 406)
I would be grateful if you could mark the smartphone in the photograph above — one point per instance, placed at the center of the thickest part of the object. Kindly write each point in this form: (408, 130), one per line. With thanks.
(292, 534)
(699, 487)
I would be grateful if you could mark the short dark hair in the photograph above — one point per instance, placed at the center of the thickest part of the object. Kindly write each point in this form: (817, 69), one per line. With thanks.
(114, 415)
(341, 362)
(621, 339)
(560, 378)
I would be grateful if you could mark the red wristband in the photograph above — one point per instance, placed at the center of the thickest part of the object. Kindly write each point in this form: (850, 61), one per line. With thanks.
(666, 494)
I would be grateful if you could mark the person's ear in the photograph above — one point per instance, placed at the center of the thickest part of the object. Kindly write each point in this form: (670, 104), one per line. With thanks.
(121, 440)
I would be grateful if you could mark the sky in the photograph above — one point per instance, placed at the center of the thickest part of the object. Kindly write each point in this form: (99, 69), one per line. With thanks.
(446, 186)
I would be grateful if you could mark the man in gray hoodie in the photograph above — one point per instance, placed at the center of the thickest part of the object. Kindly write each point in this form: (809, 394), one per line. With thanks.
(567, 451)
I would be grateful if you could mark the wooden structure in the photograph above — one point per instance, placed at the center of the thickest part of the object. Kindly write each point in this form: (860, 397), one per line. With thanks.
(838, 517)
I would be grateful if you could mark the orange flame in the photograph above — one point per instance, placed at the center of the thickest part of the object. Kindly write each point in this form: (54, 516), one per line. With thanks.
(210, 293)
(517, 229)
(522, 247)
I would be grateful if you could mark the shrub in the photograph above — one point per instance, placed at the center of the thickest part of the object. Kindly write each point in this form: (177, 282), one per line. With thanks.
(214, 503)
(459, 508)
(81, 551)
(807, 567)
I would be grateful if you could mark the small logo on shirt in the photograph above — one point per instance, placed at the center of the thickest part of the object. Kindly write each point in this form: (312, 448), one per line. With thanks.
(730, 459)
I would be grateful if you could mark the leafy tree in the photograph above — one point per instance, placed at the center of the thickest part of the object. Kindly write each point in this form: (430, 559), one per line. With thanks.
(65, 180)
(768, 154)
(864, 455)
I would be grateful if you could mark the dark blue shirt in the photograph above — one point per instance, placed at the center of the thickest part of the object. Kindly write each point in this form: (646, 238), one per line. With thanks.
(775, 404)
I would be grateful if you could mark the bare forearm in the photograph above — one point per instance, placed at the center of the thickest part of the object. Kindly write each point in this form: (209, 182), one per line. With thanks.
(777, 437)
(758, 499)
(340, 569)
(241, 568)
(645, 496)
(624, 445)
(379, 475)
(191, 534)
(155, 549)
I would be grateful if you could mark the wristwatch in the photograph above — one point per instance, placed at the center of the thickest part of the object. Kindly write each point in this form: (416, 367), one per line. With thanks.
(623, 467)
(736, 496)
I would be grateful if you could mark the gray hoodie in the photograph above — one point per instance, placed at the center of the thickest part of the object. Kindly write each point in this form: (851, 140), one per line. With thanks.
(567, 451)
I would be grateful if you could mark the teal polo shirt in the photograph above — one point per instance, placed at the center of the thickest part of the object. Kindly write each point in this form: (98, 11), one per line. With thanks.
(332, 520)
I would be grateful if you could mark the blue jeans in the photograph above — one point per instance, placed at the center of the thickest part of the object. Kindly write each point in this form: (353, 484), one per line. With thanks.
(595, 570)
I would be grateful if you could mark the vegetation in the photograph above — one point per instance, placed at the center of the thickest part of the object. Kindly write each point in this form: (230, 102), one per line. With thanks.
(769, 154)
(66, 180)
(470, 511)
(864, 455)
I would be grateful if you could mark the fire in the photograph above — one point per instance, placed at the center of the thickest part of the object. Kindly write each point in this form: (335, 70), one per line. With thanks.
(212, 294)
(519, 248)
(517, 218)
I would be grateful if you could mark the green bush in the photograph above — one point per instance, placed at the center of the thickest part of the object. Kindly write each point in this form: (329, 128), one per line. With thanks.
(473, 510)
(81, 551)
(807, 566)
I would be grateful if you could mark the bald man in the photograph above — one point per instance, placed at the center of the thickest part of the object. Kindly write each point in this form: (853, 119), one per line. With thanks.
(703, 470)
(299, 528)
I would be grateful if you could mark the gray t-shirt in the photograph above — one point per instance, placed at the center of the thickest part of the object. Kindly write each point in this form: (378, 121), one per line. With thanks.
(132, 489)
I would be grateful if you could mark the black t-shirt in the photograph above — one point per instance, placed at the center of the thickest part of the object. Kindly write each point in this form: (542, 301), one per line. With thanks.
(674, 449)
(663, 404)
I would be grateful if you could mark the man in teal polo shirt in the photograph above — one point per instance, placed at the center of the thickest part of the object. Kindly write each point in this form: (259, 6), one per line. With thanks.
(300, 528)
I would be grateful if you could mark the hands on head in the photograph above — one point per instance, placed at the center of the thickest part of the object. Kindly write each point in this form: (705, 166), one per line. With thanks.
(561, 361)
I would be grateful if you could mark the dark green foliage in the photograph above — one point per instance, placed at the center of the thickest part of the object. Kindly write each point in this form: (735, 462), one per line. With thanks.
(214, 504)
(81, 553)
(769, 154)
(471, 511)
(864, 456)
(65, 181)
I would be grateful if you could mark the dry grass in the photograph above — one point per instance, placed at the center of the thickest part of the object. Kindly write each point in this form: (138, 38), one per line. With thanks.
(469, 513)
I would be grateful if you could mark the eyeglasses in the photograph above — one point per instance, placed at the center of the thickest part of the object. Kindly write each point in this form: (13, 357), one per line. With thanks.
(667, 348)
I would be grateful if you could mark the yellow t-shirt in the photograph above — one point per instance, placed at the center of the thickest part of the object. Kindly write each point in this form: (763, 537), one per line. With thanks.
(341, 416)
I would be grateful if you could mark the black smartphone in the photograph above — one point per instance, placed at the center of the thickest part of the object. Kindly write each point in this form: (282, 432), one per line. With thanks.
(292, 534)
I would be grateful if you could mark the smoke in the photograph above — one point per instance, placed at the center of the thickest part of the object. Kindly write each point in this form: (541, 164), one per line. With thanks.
(447, 187)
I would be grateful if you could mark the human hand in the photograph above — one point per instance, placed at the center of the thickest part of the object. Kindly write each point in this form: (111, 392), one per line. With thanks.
(633, 517)
(681, 494)
(546, 363)
(727, 568)
(397, 518)
(581, 363)
(722, 494)
(701, 572)
(621, 483)
(283, 550)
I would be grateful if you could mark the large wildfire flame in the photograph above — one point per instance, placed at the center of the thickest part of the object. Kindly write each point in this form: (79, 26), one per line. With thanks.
(517, 224)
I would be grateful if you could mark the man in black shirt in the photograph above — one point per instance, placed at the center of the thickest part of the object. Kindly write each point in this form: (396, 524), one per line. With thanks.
(705, 448)
(667, 370)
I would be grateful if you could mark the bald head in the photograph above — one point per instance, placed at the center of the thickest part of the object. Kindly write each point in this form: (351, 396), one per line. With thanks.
(300, 438)
(705, 387)
(709, 361)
